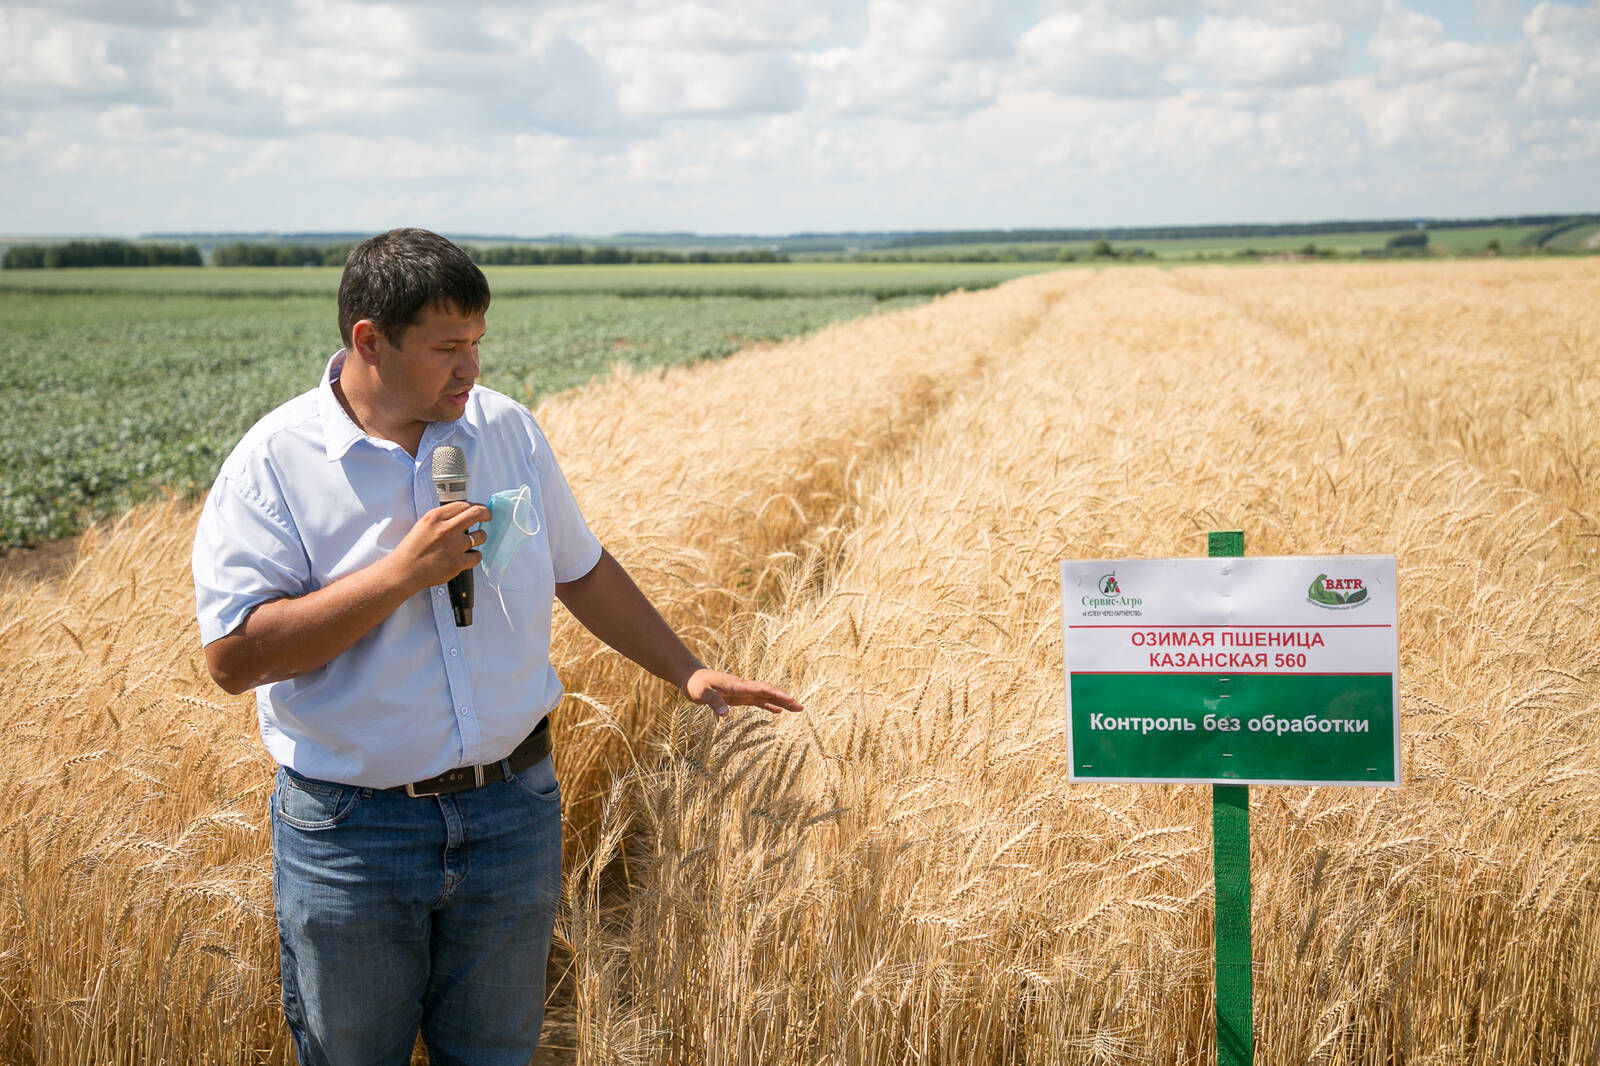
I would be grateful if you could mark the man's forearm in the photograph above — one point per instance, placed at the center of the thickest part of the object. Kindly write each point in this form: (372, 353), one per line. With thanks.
(287, 638)
(611, 607)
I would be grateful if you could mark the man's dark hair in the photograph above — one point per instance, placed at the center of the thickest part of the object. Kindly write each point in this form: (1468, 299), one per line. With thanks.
(390, 278)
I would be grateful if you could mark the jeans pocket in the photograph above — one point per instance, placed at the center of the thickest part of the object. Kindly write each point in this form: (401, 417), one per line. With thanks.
(314, 805)
(539, 781)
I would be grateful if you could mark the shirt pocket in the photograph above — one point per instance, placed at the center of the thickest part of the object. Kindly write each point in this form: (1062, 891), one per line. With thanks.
(530, 569)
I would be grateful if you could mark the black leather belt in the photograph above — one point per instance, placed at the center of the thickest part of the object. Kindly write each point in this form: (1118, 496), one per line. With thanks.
(535, 748)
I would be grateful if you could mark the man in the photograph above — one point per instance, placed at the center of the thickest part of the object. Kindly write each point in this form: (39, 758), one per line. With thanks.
(416, 827)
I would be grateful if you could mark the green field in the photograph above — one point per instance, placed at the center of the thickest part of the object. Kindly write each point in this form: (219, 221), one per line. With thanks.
(1579, 239)
(124, 383)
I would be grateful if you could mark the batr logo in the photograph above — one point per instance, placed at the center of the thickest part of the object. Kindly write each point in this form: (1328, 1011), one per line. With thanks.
(1328, 591)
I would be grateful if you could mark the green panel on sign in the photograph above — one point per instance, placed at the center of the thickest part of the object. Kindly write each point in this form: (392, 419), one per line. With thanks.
(1112, 734)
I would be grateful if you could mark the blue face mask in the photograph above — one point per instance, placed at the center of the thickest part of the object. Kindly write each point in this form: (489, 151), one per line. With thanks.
(512, 523)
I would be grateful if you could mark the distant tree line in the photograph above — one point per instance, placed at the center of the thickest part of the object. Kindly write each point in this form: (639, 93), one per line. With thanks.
(290, 255)
(573, 255)
(268, 254)
(1039, 253)
(103, 253)
(1286, 229)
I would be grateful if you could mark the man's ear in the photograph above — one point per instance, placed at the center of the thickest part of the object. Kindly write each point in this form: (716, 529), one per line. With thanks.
(364, 339)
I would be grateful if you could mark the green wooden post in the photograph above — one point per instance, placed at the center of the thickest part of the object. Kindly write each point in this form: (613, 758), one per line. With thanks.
(1230, 857)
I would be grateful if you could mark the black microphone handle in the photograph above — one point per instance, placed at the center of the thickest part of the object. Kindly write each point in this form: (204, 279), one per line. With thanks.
(461, 597)
(450, 485)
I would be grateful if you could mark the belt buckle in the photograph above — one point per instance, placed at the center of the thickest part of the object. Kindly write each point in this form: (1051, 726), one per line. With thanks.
(477, 776)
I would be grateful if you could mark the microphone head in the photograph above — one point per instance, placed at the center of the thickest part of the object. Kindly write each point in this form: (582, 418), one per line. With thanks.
(449, 473)
(449, 463)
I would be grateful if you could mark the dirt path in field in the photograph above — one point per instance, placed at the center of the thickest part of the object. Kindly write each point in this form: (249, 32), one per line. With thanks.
(39, 563)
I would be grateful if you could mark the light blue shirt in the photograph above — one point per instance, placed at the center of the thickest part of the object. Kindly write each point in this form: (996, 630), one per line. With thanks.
(305, 498)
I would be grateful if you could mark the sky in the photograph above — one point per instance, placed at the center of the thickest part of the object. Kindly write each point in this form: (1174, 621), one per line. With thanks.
(773, 117)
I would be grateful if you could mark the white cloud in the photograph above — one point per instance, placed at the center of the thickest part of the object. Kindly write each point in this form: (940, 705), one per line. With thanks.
(1080, 54)
(725, 28)
(1569, 139)
(39, 52)
(343, 157)
(1295, 12)
(1425, 120)
(136, 13)
(1410, 47)
(1274, 12)
(1248, 52)
(1566, 46)
(268, 76)
(398, 70)
(656, 83)
(702, 59)
(784, 148)
(922, 61)
(938, 29)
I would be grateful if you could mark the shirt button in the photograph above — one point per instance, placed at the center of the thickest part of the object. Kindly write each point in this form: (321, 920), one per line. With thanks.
(452, 653)
(465, 711)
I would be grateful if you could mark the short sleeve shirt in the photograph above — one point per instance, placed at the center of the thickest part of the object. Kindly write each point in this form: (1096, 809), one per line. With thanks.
(304, 499)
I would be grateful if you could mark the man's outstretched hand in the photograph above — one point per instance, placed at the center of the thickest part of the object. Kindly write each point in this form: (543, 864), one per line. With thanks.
(719, 691)
(611, 607)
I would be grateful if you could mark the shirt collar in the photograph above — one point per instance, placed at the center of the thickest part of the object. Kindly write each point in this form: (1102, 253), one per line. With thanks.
(340, 432)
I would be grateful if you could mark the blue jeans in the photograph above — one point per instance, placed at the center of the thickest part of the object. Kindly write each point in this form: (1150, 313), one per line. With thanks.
(399, 914)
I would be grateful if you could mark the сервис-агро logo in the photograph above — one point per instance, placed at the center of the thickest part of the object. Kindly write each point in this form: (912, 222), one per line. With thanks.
(1110, 599)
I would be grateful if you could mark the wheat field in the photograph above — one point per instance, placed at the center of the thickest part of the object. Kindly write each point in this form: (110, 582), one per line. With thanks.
(872, 517)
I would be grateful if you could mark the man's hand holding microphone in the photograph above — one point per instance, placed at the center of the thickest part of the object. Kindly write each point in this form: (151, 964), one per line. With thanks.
(442, 548)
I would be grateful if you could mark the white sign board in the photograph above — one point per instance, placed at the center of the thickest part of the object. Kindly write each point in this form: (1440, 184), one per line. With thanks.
(1264, 670)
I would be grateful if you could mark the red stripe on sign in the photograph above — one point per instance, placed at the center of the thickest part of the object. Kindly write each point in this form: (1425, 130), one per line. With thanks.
(1232, 673)
(1286, 625)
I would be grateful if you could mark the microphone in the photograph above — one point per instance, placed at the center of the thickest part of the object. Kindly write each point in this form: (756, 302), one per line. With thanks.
(450, 482)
